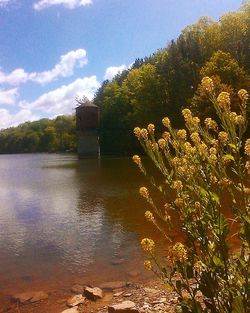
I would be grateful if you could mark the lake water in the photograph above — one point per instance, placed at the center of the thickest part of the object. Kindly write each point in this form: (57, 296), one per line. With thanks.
(64, 220)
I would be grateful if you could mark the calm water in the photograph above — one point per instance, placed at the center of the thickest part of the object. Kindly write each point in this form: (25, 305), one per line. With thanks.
(63, 221)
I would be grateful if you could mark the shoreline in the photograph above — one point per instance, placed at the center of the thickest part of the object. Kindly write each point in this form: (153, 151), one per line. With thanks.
(146, 296)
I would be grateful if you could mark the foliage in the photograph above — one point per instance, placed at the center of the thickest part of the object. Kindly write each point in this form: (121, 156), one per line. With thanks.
(164, 82)
(44, 135)
(198, 167)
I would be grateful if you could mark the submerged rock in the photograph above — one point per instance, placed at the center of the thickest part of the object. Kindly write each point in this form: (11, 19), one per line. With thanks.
(114, 285)
(124, 307)
(78, 289)
(75, 300)
(93, 293)
(33, 296)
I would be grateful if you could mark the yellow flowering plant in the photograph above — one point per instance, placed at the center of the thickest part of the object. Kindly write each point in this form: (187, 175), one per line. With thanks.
(199, 166)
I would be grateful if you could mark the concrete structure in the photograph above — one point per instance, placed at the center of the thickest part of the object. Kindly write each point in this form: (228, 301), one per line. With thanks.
(87, 125)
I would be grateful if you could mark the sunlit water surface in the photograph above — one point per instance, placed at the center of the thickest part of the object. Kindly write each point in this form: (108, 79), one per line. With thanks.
(64, 221)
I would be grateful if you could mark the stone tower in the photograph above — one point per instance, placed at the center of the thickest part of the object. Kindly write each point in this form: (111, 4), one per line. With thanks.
(87, 125)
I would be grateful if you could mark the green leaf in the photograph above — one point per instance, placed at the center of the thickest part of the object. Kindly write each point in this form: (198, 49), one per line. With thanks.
(217, 261)
(229, 157)
(215, 197)
(232, 146)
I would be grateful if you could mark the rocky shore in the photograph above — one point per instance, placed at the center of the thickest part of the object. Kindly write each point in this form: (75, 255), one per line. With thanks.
(108, 297)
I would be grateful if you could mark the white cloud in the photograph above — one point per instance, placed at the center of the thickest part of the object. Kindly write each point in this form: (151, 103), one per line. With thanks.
(69, 4)
(8, 120)
(64, 68)
(62, 100)
(8, 96)
(112, 71)
(4, 3)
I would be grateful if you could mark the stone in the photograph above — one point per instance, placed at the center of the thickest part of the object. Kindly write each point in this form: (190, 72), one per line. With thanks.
(114, 285)
(124, 307)
(75, 300)
(38, 296)
(71, 310)
(118, 294)
(93, 293)
(78, 289)
(33, 296)
(151, 291)
(161, 300)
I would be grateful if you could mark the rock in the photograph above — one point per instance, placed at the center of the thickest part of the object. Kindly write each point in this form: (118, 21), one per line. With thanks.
(151, 291)
(71, 310)
(32, 296)
(161, 300)
(78, 289)
(113, 285)
(118, 294)
(124, 307)
(93, 293)
(128, 294)
(75, 300)
(38, 296)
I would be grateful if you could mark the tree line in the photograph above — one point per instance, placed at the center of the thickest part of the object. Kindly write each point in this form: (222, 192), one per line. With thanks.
(165, 82)
(45, 135)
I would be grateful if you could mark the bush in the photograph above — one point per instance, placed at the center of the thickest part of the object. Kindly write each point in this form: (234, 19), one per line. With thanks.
(200, 165)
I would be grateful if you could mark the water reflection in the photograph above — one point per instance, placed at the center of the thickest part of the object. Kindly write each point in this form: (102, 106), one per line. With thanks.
(61, 218)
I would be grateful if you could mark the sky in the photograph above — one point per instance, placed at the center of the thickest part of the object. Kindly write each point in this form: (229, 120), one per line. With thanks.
(54, 50)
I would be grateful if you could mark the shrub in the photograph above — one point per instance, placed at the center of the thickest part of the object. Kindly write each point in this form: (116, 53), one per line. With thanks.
(200, 165)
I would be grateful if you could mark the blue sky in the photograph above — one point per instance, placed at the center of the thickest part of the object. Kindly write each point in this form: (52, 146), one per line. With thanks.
(53, 50)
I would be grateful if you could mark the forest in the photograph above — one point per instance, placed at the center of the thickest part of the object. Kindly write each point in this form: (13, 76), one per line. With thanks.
(165, 82)
(156, 86)
(45, 135)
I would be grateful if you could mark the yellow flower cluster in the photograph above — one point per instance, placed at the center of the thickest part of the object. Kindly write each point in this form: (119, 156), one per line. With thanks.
(166, 122)
(162, 143)
(137, 131)
(149, 216)
(137, 159)
(148, 245)
(243, 95)
(187, 114)
(207, 84)
(144, 133)
(141, 133)
(247, 147)
(199, 267)
(236, 119)
(166, 136)
(212, 155)
(177, 184)
(148, 265)
(203, 149)
(210, 124)
(178, 252)
(182, 134)
(224, 101)
(178, 202)
(151, 128)
(144, 192)
(195, 137)
(223, 137)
